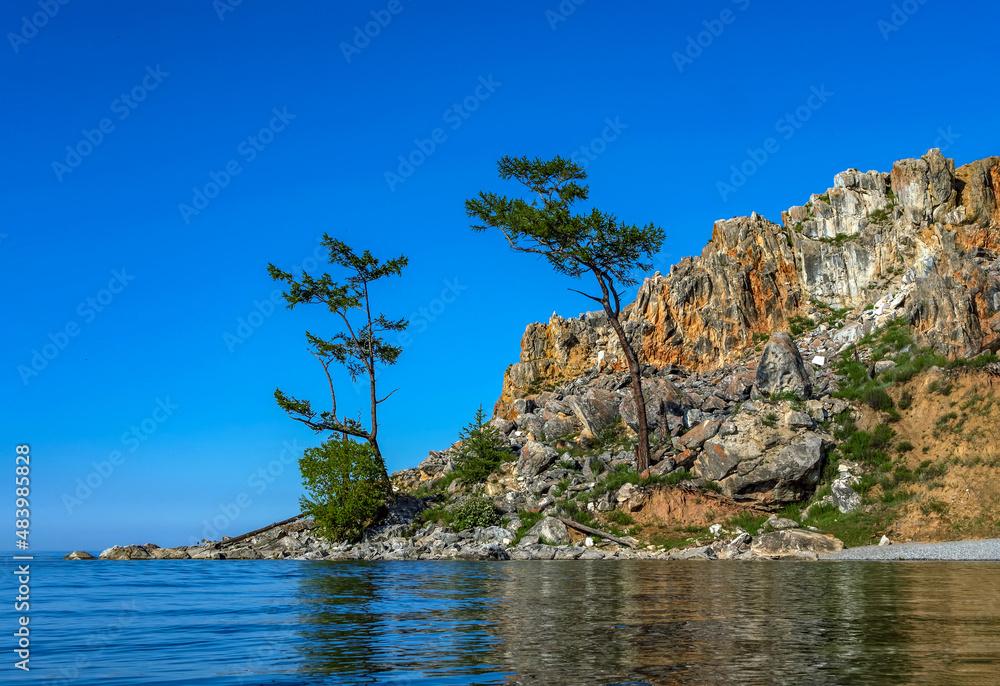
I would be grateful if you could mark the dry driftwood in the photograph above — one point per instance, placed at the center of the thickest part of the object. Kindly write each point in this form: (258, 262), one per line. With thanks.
(595, 532)
(261, 530)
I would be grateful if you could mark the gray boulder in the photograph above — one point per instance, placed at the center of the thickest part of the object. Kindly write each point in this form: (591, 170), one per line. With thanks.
(794, 542)
(783, 474)
(504, 426)
(597, 410)
(551, 530)
(560, 427)
(535, 458)
(781, 369)
(129, 552)
(79, 555)
(531, 425)
(845, 498)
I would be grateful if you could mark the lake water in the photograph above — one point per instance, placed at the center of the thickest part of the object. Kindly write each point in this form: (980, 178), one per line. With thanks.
(601, 622)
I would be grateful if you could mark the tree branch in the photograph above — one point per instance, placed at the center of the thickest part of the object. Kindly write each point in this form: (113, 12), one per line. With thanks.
(326, 369)
(386, 397)
(573, 290)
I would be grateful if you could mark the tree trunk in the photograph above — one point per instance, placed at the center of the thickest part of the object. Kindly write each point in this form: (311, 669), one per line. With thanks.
(641, 450)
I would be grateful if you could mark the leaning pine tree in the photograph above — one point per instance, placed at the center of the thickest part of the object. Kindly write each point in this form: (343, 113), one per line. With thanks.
(359, 347)
(574, 244)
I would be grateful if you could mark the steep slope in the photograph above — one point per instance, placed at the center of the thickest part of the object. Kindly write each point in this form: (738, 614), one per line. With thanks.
(921, 241)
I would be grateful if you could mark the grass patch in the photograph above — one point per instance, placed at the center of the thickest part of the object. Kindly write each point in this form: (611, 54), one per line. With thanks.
(619, 517)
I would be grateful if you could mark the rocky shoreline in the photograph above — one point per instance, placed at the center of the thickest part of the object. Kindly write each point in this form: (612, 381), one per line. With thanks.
(298, 541)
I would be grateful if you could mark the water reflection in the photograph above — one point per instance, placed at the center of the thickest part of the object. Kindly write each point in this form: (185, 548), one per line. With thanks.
(650, 622)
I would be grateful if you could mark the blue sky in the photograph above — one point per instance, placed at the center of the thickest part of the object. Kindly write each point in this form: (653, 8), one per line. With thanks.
(276, 122)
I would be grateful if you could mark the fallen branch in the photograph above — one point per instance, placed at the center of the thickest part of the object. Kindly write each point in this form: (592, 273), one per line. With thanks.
(595, 532)
(261, 530)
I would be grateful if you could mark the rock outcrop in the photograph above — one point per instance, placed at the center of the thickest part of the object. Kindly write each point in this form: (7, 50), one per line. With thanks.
(920, 241)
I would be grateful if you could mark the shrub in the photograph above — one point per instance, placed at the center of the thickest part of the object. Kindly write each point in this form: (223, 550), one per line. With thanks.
(482, 450)
(905, 400)
(769, 420)
(798, 324)
(475, 512)
(345, 487)
(904, 447)
(877, 399)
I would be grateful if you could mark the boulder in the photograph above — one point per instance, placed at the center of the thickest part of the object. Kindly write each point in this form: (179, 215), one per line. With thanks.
(493, 534)
(794, 542)
(129, 552)
(597, 410)
(551, 530)
(697, 436)
(79, 555)
(169, 554)
(560, 427)
(535, 458)
(781, 369)
(784, 474)
(531, 426)
(630, 497)
(779, 523)
(845, 498)
(504, 426)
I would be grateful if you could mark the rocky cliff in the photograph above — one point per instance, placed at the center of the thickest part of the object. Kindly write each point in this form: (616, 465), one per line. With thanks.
(921, 240)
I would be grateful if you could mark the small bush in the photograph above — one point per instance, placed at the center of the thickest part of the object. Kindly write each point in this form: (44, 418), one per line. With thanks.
(798, 324)
(476, 512)
(877, 399)
(905, 401)
(345, 485)
(675, 477)
(770, 420)
(904, 447)
(934, 507)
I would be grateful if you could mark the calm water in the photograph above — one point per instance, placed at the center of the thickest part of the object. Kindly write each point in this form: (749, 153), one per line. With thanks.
(266, 622)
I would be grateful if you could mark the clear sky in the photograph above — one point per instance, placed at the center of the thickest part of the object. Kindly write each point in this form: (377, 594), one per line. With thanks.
(158, 155)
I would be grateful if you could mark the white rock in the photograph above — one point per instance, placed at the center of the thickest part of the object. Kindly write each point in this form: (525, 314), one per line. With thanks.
(819, 360)
(885, 541)
(589, 542)
(715, 529)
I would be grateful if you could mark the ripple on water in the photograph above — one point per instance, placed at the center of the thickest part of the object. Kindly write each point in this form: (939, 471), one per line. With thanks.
(601, 622)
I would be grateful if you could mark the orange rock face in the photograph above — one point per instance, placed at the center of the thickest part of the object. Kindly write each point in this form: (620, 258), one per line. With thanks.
(925, 230)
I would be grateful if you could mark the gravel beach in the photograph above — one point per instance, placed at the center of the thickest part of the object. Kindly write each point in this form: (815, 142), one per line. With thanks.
(988, 549)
